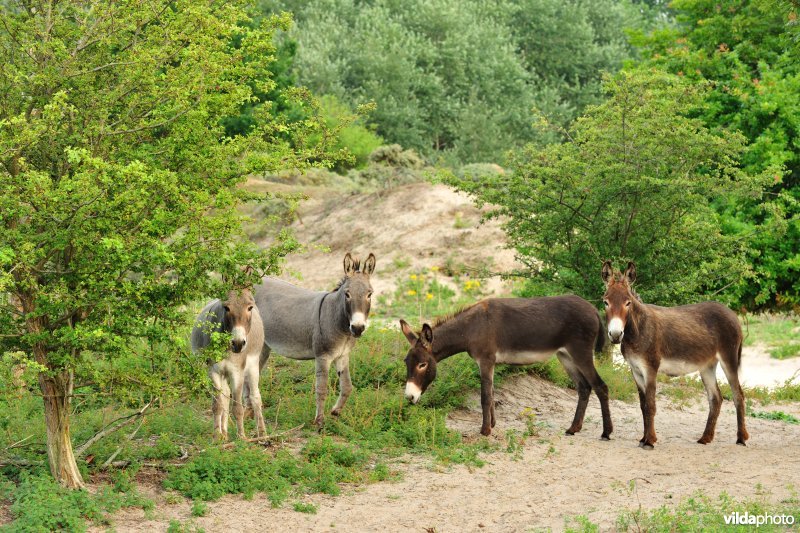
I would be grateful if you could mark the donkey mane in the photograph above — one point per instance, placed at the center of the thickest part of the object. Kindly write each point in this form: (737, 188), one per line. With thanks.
(446, 318)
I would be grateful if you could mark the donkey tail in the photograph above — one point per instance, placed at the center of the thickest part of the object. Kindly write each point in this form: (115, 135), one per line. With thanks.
(600, 341)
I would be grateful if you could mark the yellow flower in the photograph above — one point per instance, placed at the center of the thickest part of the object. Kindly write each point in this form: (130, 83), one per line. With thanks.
(413, 276)
(411, 293)
(429, 296)
(434, 269)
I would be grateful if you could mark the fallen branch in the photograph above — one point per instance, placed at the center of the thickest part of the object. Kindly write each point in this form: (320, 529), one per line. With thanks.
(18, 442)
(119, 448)
(265, 438)
(19, 462)
(108, 429)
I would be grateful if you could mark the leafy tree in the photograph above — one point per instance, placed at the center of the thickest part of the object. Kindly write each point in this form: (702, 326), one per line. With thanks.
(749, 55)
(459, 79)
(118, 185)
(633, 182)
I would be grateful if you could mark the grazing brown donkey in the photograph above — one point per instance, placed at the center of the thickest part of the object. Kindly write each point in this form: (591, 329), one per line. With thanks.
(516, 331)
(675, 341)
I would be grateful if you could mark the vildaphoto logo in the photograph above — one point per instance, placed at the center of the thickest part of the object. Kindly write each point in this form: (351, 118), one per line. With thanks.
(747, 519)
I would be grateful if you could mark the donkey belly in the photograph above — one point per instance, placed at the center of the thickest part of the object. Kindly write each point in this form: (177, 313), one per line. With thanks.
(290, 349)
(678, 367)
(523, 357)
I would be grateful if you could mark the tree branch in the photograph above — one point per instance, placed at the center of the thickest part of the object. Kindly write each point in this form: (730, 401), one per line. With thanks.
(108, 429)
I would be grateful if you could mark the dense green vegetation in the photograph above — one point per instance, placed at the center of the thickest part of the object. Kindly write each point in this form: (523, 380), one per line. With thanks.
(636, 180)
(748, 54)
(458, 79)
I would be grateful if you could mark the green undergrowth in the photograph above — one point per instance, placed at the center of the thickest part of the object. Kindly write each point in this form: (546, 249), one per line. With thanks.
(377, 428)
(699, 512)
(40, 504)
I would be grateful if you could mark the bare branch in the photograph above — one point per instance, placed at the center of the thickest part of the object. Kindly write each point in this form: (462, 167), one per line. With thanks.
(108, 429)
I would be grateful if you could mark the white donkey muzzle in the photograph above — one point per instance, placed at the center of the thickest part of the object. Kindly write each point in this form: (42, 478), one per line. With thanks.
(616, 330)
(413, 392)
(358, 324)
(238, 339)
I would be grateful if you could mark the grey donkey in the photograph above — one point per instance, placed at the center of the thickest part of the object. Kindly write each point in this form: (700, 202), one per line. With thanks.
(323, 326)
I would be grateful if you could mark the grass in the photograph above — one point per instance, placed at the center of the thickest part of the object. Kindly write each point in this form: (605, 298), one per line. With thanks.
(703, 513)
(780, 332)
(376, 427)
(775, 415)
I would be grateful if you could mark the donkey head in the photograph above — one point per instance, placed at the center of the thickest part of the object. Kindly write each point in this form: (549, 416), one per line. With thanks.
(238, 306)
(357, 292)
(420, 362)
(618, 299)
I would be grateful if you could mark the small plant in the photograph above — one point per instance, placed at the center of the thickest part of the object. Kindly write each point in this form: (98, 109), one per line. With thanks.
(775, 415)
(308, 508)
(460, 222)
(199, 508)
(514, 444)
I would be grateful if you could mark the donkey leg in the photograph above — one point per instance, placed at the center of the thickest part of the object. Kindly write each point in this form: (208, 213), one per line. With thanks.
(731, 369)
(251, 379)
(345, 385)
(323, 366)
(225, 403)
(709, 377)
(650, 423)
(601, 390)
(237, 380)
(487, 395)
(218, 401)
(641, 385)
(583, 387)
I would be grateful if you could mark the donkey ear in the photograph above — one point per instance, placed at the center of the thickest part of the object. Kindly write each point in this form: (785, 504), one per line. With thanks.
(369, 265)
(427, 336)
(608, 272)
(412, 338)
(630, 273)
(349, 265)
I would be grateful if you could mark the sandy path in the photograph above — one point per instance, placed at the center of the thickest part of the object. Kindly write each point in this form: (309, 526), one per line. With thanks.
(556, 476)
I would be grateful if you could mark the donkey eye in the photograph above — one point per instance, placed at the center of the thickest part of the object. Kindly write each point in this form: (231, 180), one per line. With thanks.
(628, 303)
(605, 302)
(369, 295)
(422, 366)
(250, 308)
(227, 309)
(347, 294)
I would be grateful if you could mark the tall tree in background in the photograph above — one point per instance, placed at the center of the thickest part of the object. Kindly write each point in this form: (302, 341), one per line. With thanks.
(459, 79)
(633, 182)
(118, 184)
(749, 54)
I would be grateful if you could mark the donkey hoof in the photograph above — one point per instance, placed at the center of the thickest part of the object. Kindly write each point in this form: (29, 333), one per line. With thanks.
(641, 443)
(486, 431)
(647, 446)
(703, 440)
(336, 412)
(740, 442)
(569, 432)
(605, 437)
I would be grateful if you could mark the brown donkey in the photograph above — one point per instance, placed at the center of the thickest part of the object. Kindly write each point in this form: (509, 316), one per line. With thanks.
(516, 331)
(675, 341)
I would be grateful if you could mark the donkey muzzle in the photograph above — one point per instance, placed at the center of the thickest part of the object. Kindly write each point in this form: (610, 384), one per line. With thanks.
(357, 329)
(413, 392)
(237, 345)
(616, 330)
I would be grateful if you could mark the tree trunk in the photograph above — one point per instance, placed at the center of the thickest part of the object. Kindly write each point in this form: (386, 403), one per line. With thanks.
(57, 392)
